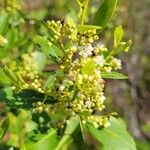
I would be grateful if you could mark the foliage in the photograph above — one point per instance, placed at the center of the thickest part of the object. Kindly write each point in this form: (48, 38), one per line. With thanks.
(118, 137)
(49, 106)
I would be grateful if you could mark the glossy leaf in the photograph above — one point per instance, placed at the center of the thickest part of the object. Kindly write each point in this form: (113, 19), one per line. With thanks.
(83, 28)
(47, 141)
(3, 78)
(50, 82)
(40, 58)
(12, 38)
(4, 127)
(89, 67)
(105, 13)
(4, 20)
(23, 99)
(3, 41)
(64, 142)
(73, 123)
(118, 34)
(10, 74)
(114, 137)
(113, 75)
(48, 48)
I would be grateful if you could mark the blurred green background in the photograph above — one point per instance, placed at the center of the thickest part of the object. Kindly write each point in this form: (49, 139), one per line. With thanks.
(130, 98)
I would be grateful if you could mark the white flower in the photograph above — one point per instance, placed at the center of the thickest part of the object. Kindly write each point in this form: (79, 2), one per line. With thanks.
(100, 45)
(80, 77)
(103, 98)
(89, 47)
(86, 50)
(84, 54)
(80, 48)
(88, 104)
(98, 59)
(90, 78)
(98, 73)
(62, 87)
(74, 48)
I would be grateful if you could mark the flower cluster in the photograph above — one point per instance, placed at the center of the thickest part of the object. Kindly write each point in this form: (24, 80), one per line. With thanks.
(77, 84)
(26, 74)
(81, 89)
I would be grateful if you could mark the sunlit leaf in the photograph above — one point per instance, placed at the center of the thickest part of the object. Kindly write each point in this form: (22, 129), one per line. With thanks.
(113, 137)
(4, 127)
(3, 41)
(83, 28)
(48, 48)
(73, 123)
(118, 34)
(89, 67)
(23, 99)
(3, 78)
(40, 59)
(4, 20)
(105, 13)
(47, 141)
(113, 75)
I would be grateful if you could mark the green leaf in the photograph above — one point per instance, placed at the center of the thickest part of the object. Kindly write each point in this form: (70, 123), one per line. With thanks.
(3, 78)
(3, 41)
(64, 142)
(40, 58)
(89, 67)
(10, 74)
(4, 127)
(4, 21)
(105, 13)
(83, 28)
(12, 38)
(50, 83)
(23, 99)
(113, 137)
(72, 125)
(113, 75)
(48, 141)
(118, 34)
(48, 48)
